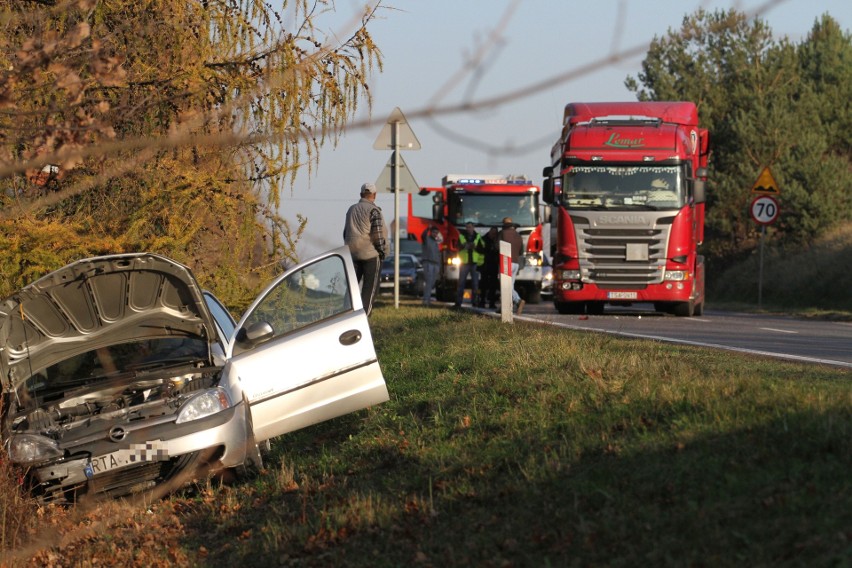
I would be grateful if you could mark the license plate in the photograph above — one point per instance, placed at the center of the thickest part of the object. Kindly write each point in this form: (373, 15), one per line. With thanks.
(622, 295)
(135, 455)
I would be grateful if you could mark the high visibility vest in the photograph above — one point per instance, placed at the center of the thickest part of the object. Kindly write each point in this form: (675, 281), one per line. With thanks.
(478, 246)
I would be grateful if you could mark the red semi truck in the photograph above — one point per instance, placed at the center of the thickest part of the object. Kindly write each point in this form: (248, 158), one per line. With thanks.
(626, 190)
(483, 200)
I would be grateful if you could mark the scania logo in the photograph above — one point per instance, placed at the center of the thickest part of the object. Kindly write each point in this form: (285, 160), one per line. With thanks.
(623, 220)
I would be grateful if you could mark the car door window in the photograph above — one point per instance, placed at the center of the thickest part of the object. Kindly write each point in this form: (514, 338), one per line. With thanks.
(314, 293)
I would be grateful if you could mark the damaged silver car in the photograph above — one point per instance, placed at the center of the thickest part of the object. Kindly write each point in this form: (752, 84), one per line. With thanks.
(122, 378)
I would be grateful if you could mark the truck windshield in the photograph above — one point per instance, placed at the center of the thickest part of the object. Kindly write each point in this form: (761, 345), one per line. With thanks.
(488, 210)
(624, 187)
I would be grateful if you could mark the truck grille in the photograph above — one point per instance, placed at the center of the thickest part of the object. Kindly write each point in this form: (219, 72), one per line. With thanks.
(624, 257)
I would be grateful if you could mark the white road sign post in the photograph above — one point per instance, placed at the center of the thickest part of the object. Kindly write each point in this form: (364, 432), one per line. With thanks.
(396, 134)
(506, 282)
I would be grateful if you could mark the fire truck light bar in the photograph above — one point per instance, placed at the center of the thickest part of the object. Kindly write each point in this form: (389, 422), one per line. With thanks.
(486, 179)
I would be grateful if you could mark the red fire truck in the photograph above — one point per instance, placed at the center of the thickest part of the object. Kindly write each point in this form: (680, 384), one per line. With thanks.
(483, 200)
(626, 194)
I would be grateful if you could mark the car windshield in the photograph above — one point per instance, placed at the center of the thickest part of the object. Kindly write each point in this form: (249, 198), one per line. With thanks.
(405, 262)
(623, 188)
(410, 246)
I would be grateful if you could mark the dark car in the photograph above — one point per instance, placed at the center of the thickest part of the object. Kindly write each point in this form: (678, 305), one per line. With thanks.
(410, 275)
(411, 246)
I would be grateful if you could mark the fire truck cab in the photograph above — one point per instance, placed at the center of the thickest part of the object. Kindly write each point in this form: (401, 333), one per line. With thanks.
(484, 200)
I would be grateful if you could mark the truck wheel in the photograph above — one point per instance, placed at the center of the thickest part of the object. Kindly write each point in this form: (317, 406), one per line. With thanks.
(445, 293)
(531, 295)
(566, 308)
(684, 309)
(594, 308)
(662, 307)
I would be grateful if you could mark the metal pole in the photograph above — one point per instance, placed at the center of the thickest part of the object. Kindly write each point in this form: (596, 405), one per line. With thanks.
(760, 270)
(395, 188)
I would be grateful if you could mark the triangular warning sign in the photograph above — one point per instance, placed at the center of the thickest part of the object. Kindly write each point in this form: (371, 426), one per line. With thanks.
(765, 183)
(396, 134)
(406, 179)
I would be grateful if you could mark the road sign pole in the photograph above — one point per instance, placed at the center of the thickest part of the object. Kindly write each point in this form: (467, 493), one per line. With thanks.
(395, 189)
(760, 269)
(396, 134)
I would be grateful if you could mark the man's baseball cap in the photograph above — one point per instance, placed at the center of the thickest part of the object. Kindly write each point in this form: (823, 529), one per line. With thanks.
(368, 188)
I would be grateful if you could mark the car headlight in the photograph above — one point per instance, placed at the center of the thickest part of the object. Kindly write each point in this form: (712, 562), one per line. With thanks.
(203, 404)
(676, 275)
(32, 448)
(455, 261)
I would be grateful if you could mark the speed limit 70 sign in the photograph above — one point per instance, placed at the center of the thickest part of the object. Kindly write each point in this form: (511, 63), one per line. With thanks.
(764, 209)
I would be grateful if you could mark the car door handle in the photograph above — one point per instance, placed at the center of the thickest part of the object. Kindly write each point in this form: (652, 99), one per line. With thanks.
(350, 337)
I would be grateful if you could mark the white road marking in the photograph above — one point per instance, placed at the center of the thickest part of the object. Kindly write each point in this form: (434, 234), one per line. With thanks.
(778, 330)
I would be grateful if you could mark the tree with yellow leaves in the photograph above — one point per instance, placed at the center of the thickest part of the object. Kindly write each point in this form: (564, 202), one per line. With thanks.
(169, 126)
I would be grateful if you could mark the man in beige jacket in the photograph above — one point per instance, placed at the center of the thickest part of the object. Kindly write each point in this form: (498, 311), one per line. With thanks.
(365, 235)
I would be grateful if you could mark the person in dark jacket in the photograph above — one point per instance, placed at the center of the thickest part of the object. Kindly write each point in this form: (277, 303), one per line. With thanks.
(509, 234)
(489, 278)
(431, 259)
(365, 234)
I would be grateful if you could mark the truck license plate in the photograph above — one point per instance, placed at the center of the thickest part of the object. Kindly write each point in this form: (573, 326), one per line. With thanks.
(622, 295)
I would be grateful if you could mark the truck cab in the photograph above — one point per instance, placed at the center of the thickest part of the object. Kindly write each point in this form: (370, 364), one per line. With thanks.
(626, 190)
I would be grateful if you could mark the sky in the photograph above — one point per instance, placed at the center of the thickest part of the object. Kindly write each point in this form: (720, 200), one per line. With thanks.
(428, 47)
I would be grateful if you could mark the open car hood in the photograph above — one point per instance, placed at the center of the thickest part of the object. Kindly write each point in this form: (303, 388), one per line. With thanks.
(94, 303)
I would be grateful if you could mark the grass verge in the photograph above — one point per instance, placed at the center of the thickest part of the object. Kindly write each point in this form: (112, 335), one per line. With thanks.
(522, 445)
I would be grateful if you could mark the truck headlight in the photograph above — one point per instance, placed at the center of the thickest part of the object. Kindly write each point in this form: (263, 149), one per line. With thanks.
(533, 260)
(26, 449)
(570, 274)
(676, 275)
(203, 404)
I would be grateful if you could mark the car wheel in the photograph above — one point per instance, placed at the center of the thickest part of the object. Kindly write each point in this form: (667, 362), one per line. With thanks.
(253, 462)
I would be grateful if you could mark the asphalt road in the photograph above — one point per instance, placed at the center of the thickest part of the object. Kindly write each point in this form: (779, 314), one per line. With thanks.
(806, 340)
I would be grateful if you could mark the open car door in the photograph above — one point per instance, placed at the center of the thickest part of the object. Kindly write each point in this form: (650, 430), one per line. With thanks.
(303, 352)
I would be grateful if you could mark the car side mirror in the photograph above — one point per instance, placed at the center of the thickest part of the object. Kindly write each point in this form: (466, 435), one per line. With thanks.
(254, 334)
